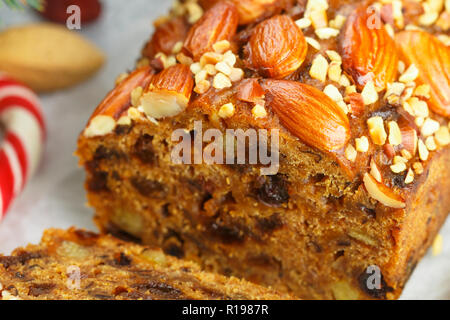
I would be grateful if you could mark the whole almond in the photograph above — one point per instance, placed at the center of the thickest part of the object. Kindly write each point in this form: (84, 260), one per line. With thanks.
(308, 114)
(432, 58)
(165, 37)
(168, 92)
(118, 100)
(47, 56)
(277, 47)
(217, 24)
(368, 52)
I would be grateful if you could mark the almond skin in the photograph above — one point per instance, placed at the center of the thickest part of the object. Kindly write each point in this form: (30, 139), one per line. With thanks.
(277, 47)
(217, 24)
(249, 90)
(168, 92)
(432, 58)
(368, 52)
(308, 114)
(119, 99)
(251, 10)
(165, 37)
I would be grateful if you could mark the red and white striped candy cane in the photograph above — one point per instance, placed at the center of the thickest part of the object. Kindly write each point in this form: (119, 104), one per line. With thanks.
(22, 144)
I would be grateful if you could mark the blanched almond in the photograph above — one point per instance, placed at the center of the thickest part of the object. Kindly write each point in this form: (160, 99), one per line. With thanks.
(432, 58)
(217, 24)
(368, 53)
(308, 114)
(277, 47)
(168, 93)
(383, 194)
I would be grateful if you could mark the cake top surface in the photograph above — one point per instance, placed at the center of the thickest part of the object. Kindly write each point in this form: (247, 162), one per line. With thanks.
(364, 82)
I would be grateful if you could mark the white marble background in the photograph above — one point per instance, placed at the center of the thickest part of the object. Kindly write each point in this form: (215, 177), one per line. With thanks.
(55, 197)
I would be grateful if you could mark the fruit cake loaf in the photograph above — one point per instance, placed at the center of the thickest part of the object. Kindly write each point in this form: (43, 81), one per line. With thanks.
(78, 264)
(357, 96)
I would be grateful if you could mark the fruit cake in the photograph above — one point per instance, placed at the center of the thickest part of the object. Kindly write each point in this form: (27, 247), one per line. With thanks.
(354, 98)
(78, 264)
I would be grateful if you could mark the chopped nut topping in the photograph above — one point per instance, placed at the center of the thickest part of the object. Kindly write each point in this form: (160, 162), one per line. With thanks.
(429, 127)
(210, 58)
(134, 113)
(409, 177)
(410, 74)
(423, 151)
(221, 46)
(333, 55)
(350, 89)
(210, 69)
(195, 12)
(229, 58)
(343, 81)
(303, 23)
(430, 143)
(418, 168)
(313, 43)
(333, 92)
(136, 96)
(259, 111)
(423, 91)
(124, 121)
(338, 21)
(221, 81)
(419, 107)
(351, 153)
(395, 135)
(226, 111)
(319, 68)
(419, 121)
(335, 71)
(398, 167)
(395, 88)
(177, 47)
(442, 136)
(362, 144)
(398, 159)
(236, 74)
(375, 172)
(196, 68)
(369, 93)
(183, 59)
(224, 68)
(428, 18)
(202, 86)
(326, 33)
(406, 154)
(376, 130)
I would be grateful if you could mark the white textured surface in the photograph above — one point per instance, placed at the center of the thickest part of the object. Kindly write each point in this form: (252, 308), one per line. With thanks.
(55, 197)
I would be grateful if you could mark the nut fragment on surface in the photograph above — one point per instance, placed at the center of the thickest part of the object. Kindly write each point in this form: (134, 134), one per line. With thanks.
(221, 81)
(313, 43)
(227, 110)
(398, 167)
(442, 136)
(319, 68)
(375, 172)
(395, 135)
(409, 176)
(376, 130)
(418, 168)
(99, 126)
(259, 111)
(362, 144)
(423, 151)
(351, 153)
(429, 127)
(383, 194)
(410, 74)
(369, 93)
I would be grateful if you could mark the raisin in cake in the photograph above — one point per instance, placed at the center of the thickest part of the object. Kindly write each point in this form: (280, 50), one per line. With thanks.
(78, 264)
(360, 95)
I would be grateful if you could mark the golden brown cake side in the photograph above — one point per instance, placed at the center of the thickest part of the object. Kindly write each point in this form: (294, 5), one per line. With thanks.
(78, 264)
(363, 144)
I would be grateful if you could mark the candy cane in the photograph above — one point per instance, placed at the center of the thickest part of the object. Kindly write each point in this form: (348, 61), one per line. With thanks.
(24, 134)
